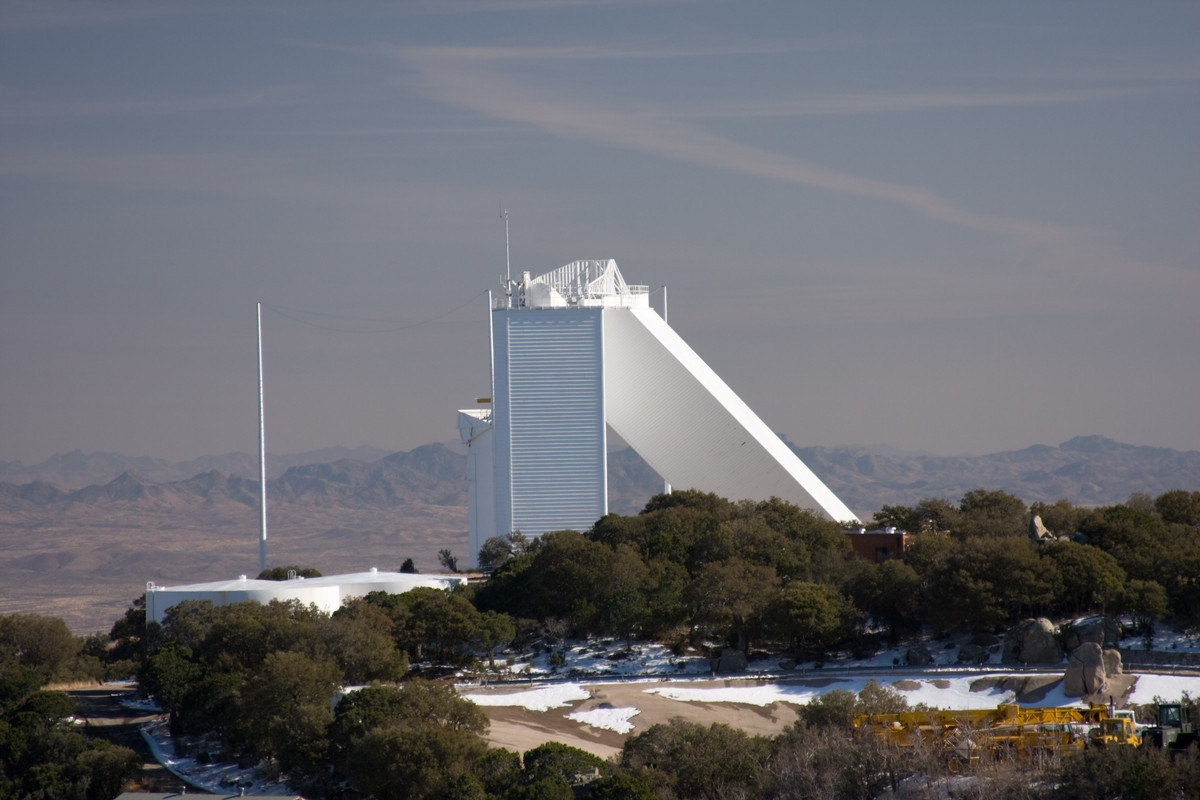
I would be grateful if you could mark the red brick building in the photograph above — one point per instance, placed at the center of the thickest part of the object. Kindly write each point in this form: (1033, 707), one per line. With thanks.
(877, 545)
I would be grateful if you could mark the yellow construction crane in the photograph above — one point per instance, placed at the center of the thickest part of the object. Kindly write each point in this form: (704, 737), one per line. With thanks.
(967, 737)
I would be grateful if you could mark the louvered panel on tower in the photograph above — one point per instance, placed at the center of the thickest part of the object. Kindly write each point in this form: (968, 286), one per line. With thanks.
(553, 410)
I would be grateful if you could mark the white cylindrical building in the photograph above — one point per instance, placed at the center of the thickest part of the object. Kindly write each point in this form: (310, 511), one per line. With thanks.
(327, 593)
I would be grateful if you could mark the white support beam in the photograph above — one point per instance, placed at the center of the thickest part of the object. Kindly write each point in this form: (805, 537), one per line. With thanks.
(678, 414)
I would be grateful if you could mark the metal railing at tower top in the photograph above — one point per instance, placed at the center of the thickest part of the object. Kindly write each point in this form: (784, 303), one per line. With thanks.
(588, 283)
(638, 297)
(587, 280)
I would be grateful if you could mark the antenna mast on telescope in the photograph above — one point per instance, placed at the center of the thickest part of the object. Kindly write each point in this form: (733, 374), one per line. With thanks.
(507, 260)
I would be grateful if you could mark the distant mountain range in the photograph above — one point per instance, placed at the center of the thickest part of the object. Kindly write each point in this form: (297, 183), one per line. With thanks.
(82, 533)
(77, 469)
(1087, 470)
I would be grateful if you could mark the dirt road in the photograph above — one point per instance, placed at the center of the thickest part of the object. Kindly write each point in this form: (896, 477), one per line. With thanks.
(520, 729)
(105, 718)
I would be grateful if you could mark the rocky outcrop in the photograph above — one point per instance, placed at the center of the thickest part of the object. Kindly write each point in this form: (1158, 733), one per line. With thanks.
(972, 654)
(729, 660)
(1104, 631)
(1032, 641)
(918, 656)
(1038, 532)
(986, 640)
(1112, 661)
(1089, 670)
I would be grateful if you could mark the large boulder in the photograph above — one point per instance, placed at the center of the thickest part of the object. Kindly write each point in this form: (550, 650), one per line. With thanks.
(1038, 532)
(972, 654)
(730, 659)
(1089, 670)
(1112, 662)
(1032, 641)
(1104, 631)
(987, 640)
(918, 656)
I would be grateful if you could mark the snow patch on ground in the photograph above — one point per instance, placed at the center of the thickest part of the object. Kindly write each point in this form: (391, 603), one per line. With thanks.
(224, 778)
(1166, 640)
(946, 693)
(608, 659)
(611, 719)
(1168, 687)
(135, 703)
(748, 695)
(956, 693)
(1055, 698)
(542, 699)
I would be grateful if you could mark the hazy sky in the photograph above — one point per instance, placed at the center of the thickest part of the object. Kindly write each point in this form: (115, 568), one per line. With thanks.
(950, 227)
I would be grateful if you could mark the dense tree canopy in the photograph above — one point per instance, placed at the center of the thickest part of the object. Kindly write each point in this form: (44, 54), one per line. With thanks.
(693, 567)
(408, 741)
(686, 759)
(43, 754)
(692, 570)
(288, 572)
(43, 644)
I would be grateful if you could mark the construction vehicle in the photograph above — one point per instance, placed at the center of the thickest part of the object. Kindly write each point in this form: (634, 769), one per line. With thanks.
(968, 737)
(1118, 729)
(1173, 728)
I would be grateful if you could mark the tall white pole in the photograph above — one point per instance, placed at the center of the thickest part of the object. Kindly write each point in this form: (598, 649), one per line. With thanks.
(666, 484)
(262, 457)
(492, 358)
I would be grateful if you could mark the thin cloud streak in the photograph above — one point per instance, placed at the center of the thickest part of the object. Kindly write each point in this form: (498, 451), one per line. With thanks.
(446, 79)
(641, 51)
(852, 104)
(393, 132)
(1043, 247)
